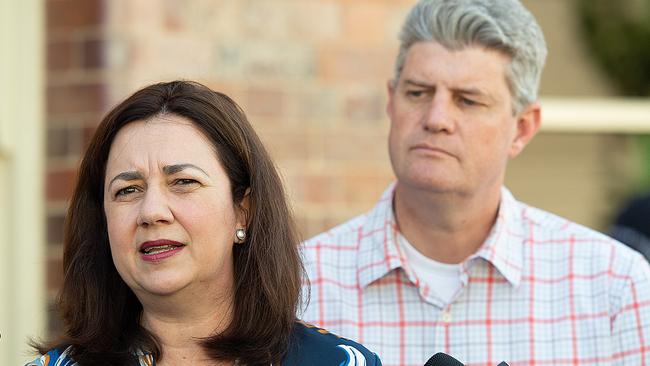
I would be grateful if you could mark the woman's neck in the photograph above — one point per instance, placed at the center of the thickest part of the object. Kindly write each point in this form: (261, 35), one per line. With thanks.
(179, 327)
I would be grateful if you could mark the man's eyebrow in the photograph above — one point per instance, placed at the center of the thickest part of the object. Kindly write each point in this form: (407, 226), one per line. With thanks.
(460, 90)
(173, 169)
(128, 176)
(418, 83)
(470, 91)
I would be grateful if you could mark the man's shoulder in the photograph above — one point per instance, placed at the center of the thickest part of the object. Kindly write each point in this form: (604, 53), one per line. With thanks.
(551, 229)
(554, 226)
(311, 345)
(346, 232)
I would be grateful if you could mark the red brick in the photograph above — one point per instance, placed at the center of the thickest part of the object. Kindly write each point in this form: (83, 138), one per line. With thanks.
(365, 23)
(364, 186)
(317, 188)
(264, 102)
(60, 55)
(60, 184)
(286, 146)
(54, 273)
(354, 147)
(355, 64)
(55, 224)
(70, 99)
(315, 226)
(74, 14)
(64, 141)
(320, 104)
(369, 107)
(93, 54)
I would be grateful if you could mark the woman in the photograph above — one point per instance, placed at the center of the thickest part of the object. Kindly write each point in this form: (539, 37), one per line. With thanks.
(179, 246)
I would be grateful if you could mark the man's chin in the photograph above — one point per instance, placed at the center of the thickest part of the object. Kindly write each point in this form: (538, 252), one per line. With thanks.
(438, 185)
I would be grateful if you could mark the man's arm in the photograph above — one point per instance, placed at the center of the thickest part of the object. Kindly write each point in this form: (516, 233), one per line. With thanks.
(631, 323)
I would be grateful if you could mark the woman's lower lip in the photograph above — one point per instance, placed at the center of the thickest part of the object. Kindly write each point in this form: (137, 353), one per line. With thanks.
(160, 256)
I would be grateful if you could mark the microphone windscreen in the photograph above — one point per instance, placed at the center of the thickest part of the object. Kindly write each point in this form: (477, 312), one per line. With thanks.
(443, 359)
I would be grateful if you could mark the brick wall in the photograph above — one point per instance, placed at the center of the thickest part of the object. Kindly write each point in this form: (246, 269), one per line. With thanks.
(310, 74)
(75, 99)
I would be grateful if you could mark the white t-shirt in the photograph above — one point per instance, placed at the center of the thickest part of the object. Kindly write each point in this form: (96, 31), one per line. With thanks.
(443, 279)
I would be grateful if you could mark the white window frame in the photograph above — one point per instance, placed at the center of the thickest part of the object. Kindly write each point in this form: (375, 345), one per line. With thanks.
(596, 115)
(22, 219)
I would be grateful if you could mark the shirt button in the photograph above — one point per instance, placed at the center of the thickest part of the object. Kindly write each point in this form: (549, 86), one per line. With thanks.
(446, 316)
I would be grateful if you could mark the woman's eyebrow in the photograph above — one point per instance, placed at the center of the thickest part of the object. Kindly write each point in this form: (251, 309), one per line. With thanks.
(128, 176)
(173, 169)
(168, 170)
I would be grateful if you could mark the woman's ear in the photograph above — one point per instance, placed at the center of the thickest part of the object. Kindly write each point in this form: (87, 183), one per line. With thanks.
(242, 210)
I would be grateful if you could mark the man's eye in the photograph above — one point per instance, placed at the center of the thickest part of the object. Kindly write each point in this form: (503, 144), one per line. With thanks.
(468, 102)
(414, 93)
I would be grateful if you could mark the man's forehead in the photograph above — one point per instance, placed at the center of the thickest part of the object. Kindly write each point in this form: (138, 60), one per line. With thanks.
(429, 63)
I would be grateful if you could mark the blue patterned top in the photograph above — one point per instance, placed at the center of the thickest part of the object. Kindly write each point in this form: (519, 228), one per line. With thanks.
(309, 346)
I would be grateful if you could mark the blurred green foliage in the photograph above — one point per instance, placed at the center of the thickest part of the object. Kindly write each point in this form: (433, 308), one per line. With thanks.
(617, 33)
(644, 145)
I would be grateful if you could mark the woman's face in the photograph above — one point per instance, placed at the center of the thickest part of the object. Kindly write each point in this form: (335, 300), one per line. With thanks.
(169, 209)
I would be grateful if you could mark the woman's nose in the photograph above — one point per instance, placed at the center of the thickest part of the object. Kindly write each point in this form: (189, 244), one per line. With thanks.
(154, 208)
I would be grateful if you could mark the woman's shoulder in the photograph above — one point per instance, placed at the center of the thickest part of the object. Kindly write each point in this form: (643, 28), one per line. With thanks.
(62, 357)
(311, 345)
(54, 357)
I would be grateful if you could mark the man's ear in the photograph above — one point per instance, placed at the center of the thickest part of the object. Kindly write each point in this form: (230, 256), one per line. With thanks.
(528, 123)
(390, 88)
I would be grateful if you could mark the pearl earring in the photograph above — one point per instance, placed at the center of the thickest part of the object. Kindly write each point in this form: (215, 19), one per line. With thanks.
(241, 235)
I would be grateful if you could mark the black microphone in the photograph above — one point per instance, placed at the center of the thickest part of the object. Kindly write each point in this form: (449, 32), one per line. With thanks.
(443, 359)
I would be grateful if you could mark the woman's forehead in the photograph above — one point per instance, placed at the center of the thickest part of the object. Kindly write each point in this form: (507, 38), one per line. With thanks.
(161, 140)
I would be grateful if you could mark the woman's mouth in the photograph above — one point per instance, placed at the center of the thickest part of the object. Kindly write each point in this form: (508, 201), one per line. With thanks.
(156, 250)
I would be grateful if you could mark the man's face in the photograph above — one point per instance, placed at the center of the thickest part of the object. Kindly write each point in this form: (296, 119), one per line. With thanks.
(452, 126)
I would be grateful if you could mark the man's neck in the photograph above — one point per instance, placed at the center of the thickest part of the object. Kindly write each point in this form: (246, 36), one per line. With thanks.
(446, 227)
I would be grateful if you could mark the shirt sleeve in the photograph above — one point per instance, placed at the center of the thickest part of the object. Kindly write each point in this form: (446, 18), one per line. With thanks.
(631, 323)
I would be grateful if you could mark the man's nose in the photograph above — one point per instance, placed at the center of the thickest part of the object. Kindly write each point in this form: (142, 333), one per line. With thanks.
(439, 115)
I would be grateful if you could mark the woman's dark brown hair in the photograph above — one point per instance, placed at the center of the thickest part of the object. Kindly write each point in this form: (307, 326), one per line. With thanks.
(102, 315)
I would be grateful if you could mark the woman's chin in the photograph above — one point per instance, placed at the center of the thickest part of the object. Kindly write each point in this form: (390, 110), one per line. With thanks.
(162, 286)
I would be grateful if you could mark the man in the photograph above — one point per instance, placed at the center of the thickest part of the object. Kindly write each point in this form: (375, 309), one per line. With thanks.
(448, 261)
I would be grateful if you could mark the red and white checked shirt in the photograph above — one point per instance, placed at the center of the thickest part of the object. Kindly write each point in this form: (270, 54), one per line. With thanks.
(540, 291)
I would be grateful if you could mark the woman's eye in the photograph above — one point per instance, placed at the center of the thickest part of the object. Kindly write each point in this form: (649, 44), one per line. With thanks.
(185, 181)
(126, 191)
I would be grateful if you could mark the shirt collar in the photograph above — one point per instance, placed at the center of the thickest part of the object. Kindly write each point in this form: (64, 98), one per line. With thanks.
(379, 253)
(503, 247)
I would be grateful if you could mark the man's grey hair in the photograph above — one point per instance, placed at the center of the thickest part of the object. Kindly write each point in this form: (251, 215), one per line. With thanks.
(502, 25)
